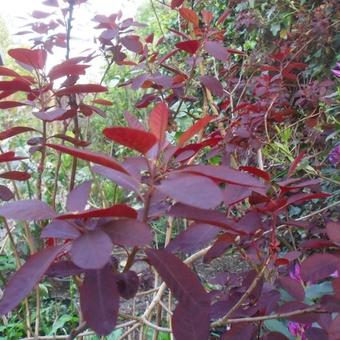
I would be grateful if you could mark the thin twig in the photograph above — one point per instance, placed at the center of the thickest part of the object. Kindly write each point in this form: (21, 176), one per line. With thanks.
(271, 317)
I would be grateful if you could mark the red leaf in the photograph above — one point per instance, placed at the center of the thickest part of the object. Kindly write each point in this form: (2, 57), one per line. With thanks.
(256, 172)
(132, 43)
(24, 280)
(127, 284)
(78, 197)
(189, 15)
(89, 156)
(16, 175)
(217, 50)
(9, 156)
(92, 250)
(60, 229)
(336, 287)
(316, 244)
(10, 104)
(213, 85)
(318, 267)
(176, 3)
(34, 58)
(5, 193)
(14, 85)
(118, 210)
(293, 287)
(196, 191)
(333, 231)
(99, 300)
(67, 69)
(300, 198)
(168, 55)
(158, 120)
(149, 38)
(123, 180)
(27, 210)
(296, 162)
(14, 131)
(223, 16)
(190, 46)
(102, 101)
(225, 174)
(193, 238)
(129, 233)
(194, 129)
(4, 71)
(141, 141)
(207, 17)
(81, 88)
(191, 317)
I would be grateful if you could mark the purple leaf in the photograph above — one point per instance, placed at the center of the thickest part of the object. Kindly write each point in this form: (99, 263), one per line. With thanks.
(127, 284)
(27, 210)
(78, 197)
(193, 238)
(293, 287)
(99, 300)
(217, 50)
(225, 174)
(92, 250)
(240, 331)
(204, 215)
(318, 267)
(213, 85)
(190, 322)
(315, 333)
(60, 229)
(196, 191)
(191, 317)
(5, 193)
(24, 280)
(178, 277)
(63, 269)
(133, 122)
(235, 193)
(123, 180)
(128, 232)
(333, 231)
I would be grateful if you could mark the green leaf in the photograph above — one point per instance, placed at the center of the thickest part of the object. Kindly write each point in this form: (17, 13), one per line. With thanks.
(278, 326)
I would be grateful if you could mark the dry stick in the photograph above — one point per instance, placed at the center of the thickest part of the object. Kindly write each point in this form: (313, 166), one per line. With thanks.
(244, 297)
(314, 309)
(142, 320)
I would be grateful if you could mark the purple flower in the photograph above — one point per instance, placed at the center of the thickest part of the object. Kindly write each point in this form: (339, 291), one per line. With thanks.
(334, 156)
(295, 273)
(298, 329)
(336, 70)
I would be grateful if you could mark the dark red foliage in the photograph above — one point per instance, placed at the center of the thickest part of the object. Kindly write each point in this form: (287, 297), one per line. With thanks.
(237, 101)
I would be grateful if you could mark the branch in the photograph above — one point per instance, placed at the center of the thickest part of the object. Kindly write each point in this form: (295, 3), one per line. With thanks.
(315, 309)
